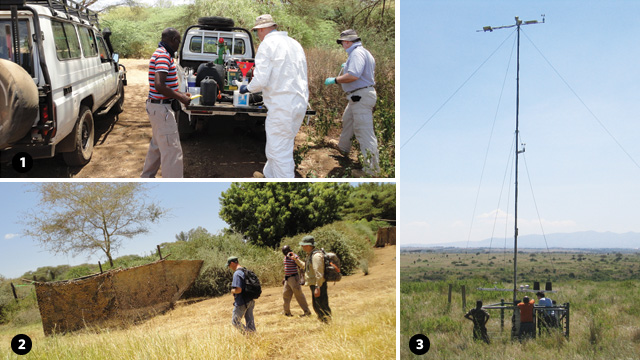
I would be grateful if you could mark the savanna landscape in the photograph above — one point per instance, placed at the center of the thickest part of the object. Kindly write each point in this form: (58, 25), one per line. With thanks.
(602, 289)
(262, 217)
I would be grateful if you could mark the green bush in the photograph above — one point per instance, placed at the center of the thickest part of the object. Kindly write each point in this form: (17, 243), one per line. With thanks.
(342, 238)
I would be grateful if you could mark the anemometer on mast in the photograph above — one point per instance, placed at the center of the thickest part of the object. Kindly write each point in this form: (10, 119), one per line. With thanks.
(518, 24)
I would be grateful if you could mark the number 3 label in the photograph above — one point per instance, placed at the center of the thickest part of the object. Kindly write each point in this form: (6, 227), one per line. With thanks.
(419, 344)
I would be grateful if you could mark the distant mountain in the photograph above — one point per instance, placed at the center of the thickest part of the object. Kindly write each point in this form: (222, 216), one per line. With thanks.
(577, 240)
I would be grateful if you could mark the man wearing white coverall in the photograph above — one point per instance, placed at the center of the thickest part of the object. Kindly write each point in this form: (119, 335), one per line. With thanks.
(281, 75)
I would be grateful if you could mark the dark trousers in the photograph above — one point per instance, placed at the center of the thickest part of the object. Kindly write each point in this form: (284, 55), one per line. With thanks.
(527, 330)
(321, 303)
(480, 333)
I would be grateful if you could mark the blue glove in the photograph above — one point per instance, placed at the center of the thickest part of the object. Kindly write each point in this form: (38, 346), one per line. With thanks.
(330, 81)
(243, 89)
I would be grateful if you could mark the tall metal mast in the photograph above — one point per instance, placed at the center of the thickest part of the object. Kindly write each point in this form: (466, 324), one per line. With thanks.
(518, 152)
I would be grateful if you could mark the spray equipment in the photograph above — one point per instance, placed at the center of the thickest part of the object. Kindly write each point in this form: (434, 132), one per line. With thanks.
(244, 67)
(242, 99)
(221, 50)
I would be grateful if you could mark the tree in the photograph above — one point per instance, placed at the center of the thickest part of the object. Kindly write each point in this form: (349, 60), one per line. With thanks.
(75, 218)
(266, 212)
(371, 201)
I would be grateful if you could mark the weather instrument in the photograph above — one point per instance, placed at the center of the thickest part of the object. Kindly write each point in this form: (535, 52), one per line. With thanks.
(561, 310)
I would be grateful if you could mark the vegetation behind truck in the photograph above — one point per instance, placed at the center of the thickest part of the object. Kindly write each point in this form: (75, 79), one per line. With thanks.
(53, 51)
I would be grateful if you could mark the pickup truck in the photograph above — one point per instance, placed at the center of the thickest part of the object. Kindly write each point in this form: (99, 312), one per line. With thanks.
(216, 47)
(57, 70)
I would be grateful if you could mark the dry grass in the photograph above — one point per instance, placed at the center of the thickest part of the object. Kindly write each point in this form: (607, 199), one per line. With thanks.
(604, 323)
(364, 326)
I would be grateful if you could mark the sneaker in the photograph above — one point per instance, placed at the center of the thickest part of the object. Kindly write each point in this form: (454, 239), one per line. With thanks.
(258, 174)
(305, 314)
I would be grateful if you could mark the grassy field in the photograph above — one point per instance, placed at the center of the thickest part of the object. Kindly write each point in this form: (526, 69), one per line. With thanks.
(203, 330)
(602, 289)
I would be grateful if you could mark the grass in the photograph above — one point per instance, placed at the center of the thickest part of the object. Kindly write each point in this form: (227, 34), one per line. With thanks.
(605, 319)
(203, 330)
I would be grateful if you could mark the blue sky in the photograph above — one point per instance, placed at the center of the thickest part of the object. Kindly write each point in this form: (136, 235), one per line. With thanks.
(580, 177)
(193, 204)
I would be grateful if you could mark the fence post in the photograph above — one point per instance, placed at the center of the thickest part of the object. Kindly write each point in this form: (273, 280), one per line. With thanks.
(464, 298)
(450, 288)
(567, 305)
(501, 315)
(159, 253)
(13, 288)
(100, 265)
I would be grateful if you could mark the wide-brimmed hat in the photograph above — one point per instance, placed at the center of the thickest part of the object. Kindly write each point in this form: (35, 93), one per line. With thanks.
(308, 240)
(348, 35)
(232, 259)
(264, 21)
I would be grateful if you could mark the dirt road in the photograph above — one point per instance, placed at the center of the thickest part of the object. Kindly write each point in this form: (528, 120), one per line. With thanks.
(121, 143)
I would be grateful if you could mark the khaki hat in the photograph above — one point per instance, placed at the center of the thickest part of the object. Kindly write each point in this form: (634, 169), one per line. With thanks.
(308, 240)
(264, 21)
(348, 35)
(232, 259)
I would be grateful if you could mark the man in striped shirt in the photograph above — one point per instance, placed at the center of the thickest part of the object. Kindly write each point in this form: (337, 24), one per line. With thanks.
(164, 148)
(292, 283)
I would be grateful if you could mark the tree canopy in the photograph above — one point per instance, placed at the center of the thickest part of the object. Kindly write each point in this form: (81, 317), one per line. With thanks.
(371, 201)
(266, 212)
(76, 218)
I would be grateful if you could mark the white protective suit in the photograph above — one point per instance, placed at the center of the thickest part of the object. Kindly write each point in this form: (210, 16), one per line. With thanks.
(281, 74)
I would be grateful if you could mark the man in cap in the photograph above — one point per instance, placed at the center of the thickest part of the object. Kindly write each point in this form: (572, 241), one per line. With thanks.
(292, 283)
(281, 75)
(314, 276)
(241, 308)
(357, 82)
(164, 148)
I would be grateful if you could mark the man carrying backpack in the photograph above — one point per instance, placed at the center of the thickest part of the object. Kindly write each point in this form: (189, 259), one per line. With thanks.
(241, 307)
(314, 276)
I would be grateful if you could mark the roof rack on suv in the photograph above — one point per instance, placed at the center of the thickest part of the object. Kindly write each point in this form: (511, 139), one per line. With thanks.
(69, 7)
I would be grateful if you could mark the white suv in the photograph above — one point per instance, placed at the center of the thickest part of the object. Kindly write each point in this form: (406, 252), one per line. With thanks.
(58, 45)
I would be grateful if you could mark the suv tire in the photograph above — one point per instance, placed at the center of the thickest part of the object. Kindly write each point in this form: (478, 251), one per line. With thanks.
(216, 21)
(84, 139)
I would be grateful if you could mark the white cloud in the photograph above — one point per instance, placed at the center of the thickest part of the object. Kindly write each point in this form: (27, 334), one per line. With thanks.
(10, 236)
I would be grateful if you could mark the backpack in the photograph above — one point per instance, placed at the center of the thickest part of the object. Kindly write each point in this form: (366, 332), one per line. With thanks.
(331, 266)
(252, 288)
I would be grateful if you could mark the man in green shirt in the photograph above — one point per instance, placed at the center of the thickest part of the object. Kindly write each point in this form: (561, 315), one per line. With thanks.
(314, 276)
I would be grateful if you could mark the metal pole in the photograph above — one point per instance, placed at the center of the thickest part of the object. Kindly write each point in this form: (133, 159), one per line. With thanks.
(515, 230)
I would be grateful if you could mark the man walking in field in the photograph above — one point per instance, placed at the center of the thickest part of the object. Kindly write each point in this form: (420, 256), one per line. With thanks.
(292, 283)
(480, 317)
(314, 276)
(358, 82)
(281, 75)
(241, 308)
(164, 149)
